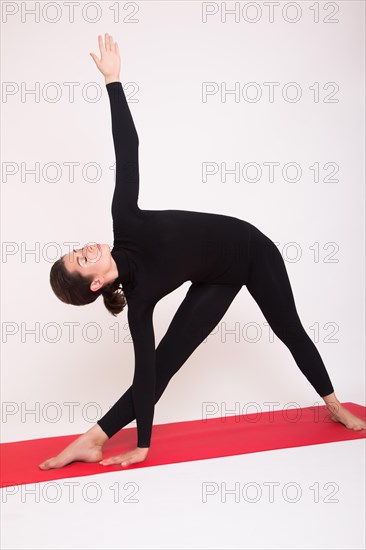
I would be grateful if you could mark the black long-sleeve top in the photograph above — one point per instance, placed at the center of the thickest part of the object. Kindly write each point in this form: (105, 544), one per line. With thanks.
(156, 251)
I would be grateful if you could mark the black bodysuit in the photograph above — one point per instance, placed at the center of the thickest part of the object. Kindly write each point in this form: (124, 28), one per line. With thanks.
(156, 251)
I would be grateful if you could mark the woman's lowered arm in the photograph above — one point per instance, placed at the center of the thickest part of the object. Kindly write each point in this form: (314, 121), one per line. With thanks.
(143, 386)
(144, 382)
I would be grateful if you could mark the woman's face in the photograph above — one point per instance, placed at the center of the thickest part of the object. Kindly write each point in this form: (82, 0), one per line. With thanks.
(91, 259)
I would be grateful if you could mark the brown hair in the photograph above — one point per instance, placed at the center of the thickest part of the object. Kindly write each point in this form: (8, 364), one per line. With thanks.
(73, 288)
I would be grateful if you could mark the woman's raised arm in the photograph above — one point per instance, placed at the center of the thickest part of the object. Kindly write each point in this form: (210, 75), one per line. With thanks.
(125, 136)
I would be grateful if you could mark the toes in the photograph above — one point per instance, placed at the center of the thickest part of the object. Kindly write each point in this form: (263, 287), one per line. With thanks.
(53, 463)
(50, 463)
(46, 464)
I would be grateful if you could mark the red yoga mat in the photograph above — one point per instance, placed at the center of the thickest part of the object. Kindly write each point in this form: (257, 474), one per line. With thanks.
(184, 442)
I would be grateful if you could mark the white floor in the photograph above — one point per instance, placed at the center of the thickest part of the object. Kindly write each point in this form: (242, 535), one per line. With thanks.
(303, 498)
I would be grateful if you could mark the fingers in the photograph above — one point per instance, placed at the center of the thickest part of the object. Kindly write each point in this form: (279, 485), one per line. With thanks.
(96, 60)
(109, 44)
(114, 460)
(123, 460)
(101, 45)
(111, 460)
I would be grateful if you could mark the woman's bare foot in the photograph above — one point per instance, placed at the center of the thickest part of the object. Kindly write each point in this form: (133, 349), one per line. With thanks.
(86, 448)
(340, 414)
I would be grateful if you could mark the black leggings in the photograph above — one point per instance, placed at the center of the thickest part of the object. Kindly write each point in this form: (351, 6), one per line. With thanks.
(204, 306)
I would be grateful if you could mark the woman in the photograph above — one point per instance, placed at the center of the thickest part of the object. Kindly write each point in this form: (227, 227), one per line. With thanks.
(155, 252)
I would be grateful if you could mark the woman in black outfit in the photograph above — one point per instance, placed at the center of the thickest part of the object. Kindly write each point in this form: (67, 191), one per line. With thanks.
(156, 251)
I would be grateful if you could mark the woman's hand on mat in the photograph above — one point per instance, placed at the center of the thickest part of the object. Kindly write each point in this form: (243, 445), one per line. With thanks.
(110, 63)
(126, 459)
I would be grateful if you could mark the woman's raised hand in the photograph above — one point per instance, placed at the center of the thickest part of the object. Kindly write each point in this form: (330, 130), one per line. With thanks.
(110, 62)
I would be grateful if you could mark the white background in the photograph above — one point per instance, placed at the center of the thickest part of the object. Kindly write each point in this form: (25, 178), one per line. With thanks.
(167, 55)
